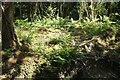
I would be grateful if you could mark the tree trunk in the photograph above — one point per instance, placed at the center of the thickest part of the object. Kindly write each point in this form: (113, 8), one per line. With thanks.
(9, 38)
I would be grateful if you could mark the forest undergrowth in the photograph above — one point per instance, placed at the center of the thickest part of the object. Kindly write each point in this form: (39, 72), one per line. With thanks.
(64, 48)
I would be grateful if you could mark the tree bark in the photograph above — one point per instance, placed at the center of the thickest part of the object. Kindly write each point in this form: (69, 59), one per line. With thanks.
(9, 38)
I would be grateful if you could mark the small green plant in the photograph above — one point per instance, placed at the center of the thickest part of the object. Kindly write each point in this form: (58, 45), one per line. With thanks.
(22, 24)
(63, 55)
(7, 52)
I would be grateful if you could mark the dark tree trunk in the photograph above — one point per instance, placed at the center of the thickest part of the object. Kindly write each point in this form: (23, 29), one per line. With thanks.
(9, 38)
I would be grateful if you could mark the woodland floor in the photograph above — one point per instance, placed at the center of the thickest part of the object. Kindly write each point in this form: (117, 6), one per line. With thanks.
(101, 58)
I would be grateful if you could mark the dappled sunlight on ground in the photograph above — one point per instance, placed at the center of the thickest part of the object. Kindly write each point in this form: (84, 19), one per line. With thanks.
(63, 53)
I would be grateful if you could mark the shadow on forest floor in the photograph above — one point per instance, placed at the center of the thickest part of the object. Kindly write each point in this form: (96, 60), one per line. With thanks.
(12, 68)
(101, 60)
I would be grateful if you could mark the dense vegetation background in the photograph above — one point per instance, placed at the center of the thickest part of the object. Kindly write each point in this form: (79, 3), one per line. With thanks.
(69, 40)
